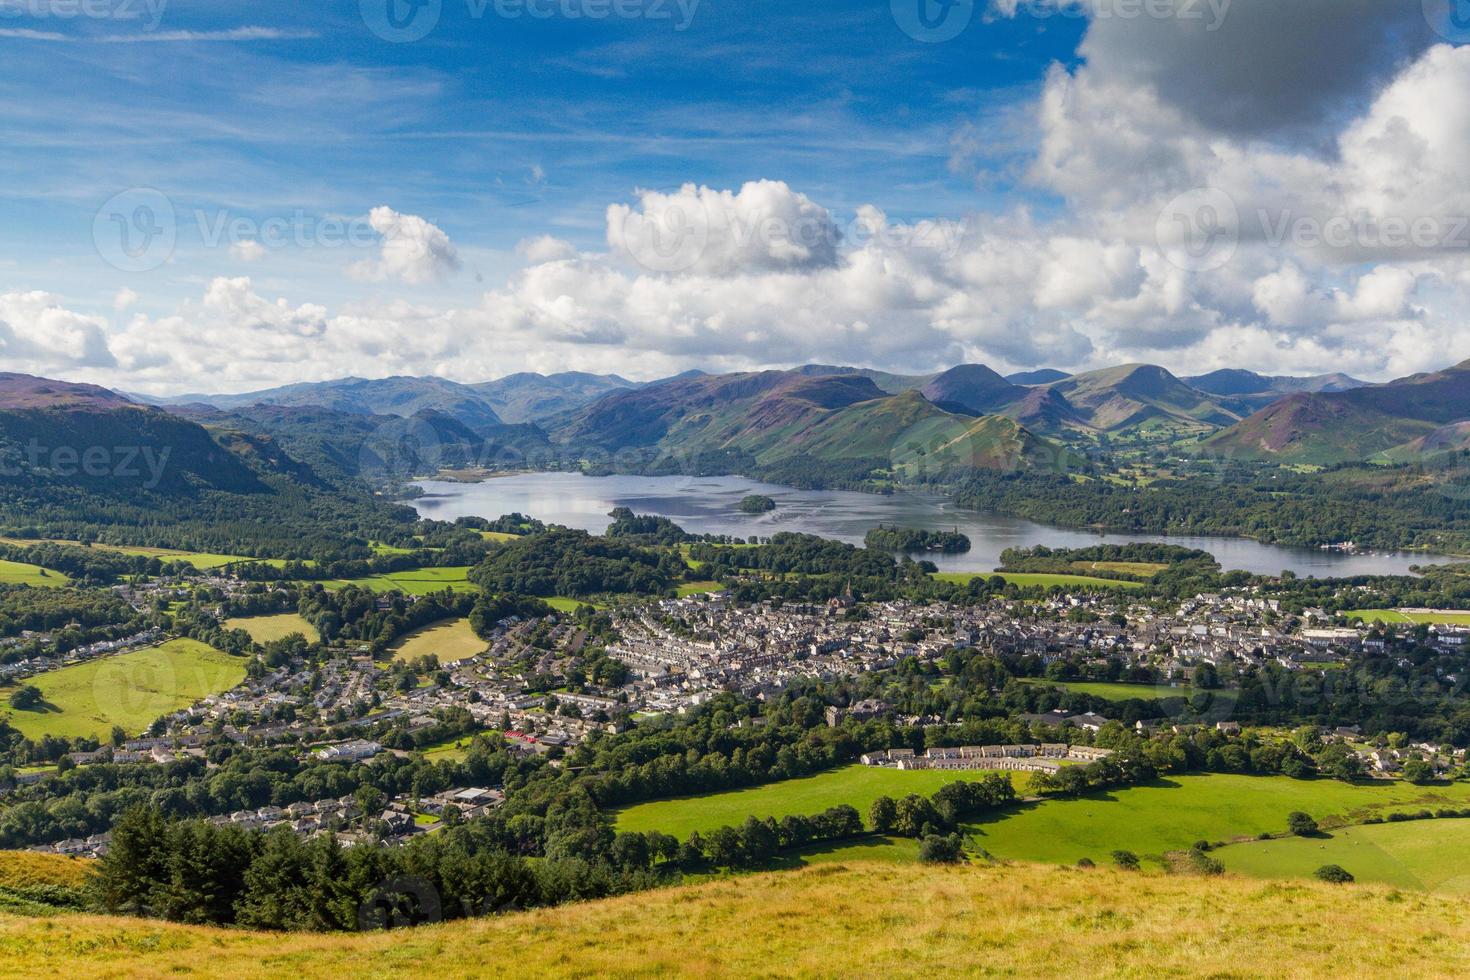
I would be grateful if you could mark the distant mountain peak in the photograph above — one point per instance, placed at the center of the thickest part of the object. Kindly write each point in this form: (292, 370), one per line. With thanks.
(23, 391)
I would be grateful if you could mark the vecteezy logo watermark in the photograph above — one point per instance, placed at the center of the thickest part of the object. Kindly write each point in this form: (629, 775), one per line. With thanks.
(401, 903)
(148, 11)
(139, 229)
(399, 21)
(144, 465)
(671, 238)
(1199, 230)
(136, 230)
(933, 21)
(1450, 19)
(1210, 14)
(678, 231)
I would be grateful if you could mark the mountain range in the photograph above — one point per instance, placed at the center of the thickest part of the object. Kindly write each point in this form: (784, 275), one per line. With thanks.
(802, 425)
(1404, 419)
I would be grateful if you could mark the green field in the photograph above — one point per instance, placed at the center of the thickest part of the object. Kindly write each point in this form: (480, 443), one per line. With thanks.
(1419, 854)
(855, 785)
(563, 604)
(1113, 692)
(1168, 815)
(1445, 618)
(1046, 581)
(418, 581)
(450, 640)
(698, 588)
(1174, 812)
(264, 629)
(1141, 569)
(199, 559)
(19, 573)
(130, 690)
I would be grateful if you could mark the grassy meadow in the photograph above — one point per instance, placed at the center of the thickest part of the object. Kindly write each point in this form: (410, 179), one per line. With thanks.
(1176, 811)
(417, 581)
(1170, 814)
(855, 785)
(20, 573)
(449, 640)
(1113, 692)
(869, 918)
(1418, 854)
(131, 690)
(1402, 617)
(1042, 579)
(30, 869)
(264, 629)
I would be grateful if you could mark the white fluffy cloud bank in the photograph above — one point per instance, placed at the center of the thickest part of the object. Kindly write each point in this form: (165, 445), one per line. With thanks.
(1224, 205)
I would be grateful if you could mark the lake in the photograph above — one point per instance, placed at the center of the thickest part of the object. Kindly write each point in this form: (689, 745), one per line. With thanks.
(707, 505)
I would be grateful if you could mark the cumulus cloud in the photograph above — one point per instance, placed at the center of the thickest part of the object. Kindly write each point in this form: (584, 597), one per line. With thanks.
(1345, 250)
(764, 227)
(412, 250)
(545, 248)
(38, 335)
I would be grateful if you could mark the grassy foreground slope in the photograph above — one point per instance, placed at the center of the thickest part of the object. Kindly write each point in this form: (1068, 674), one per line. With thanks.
(837, 920)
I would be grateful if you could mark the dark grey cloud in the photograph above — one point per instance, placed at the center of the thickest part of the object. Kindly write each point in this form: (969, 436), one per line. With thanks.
(1289, 70)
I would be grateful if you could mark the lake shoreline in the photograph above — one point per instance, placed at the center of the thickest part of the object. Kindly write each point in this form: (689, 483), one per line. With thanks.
(709, 505)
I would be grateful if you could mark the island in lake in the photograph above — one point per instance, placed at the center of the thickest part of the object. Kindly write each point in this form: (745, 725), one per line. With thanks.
(757, 503)
(916, 539)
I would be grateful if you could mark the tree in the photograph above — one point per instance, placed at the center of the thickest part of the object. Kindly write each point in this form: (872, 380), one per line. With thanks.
(1334, 873)
(1301, 824)
(915, 816)
(1418, 771)
(1126, 860)
(27, 697)
(134, 864)
(940, 850)
(882, 814)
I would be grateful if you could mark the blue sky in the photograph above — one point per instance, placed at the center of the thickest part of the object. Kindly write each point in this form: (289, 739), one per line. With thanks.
(492, 127)
(478, 200)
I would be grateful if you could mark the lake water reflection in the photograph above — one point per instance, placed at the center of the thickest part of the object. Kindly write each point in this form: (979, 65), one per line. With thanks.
(707, 505)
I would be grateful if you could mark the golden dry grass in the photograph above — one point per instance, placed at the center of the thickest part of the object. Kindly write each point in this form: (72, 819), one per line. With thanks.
(834, 920)
(27, 869)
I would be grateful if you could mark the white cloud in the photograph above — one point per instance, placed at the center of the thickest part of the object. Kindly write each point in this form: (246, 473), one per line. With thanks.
(247, 250)
(123, 299)
(763, 275)
(545, 248)
(764, 227)
(413, 250)
(38, 335)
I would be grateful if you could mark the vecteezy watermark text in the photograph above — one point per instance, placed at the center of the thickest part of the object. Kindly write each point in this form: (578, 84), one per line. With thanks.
(150, 12)
(145, 464)
(1202, 229)
(138, 229)
(401, 21)
(936, 21)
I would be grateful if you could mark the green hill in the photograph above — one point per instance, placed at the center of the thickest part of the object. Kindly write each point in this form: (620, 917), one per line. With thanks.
(1406, 418)
(775, 419)
(1134, 396)
(851, 919)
